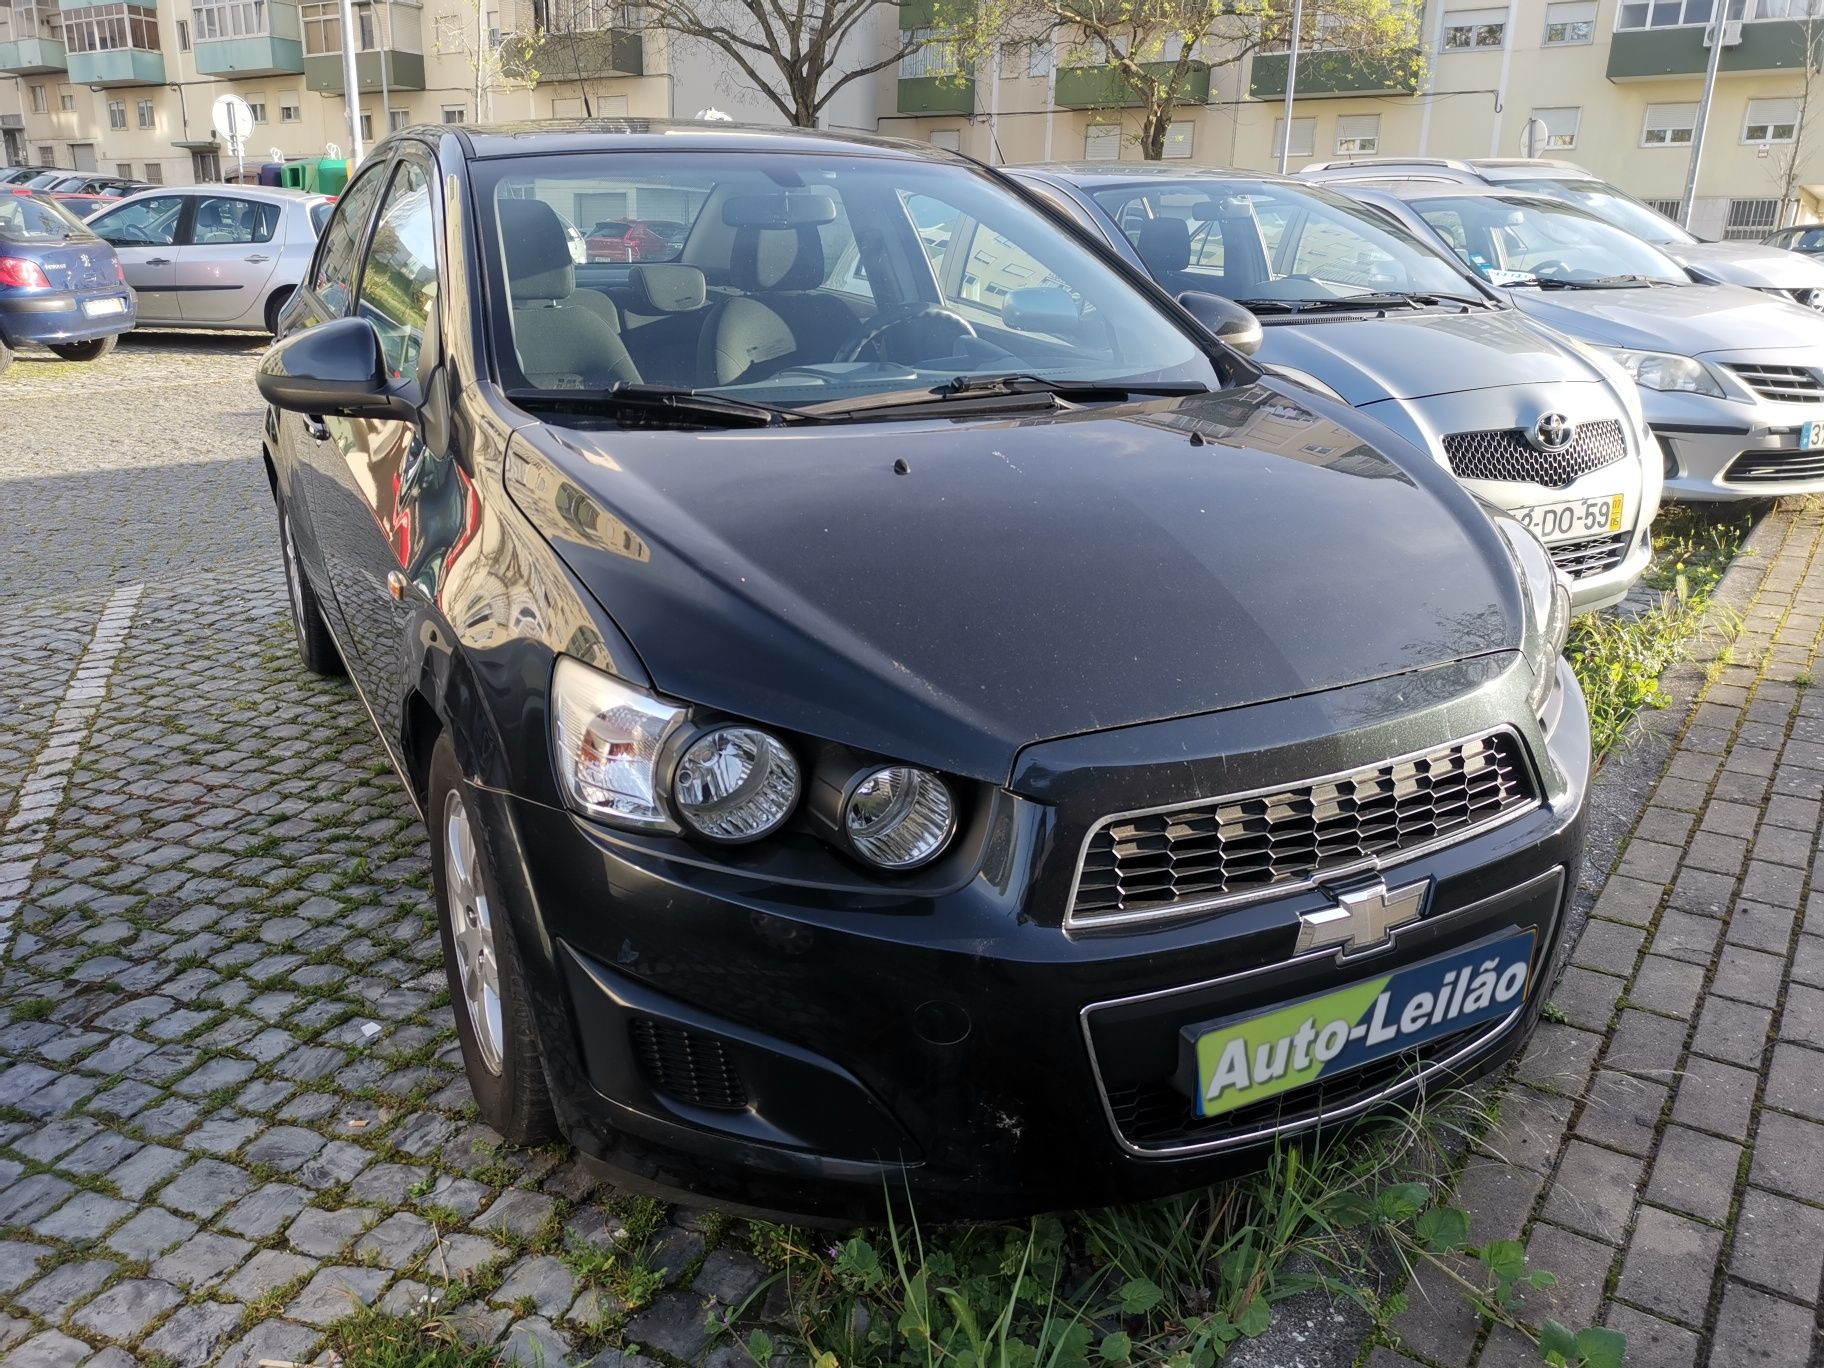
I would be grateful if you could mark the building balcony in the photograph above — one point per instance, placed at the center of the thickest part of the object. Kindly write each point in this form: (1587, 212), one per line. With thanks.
(402, 71)
(553, 57)
(1325, 73)
(1650, 54)
(32, 57)
(233, 58)
(936, 95)
(1101, 87)
(117, 67)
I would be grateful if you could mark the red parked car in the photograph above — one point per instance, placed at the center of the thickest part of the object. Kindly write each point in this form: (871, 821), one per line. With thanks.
(636, 240)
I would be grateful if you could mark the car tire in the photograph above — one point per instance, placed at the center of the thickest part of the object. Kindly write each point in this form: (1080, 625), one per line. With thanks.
(487, 984)
(276, 306)
(6, 354)
(92, 350)
(316, 647)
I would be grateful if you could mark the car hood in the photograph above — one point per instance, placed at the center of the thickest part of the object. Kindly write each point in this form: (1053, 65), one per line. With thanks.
(1021, 579)
(1415, 355)
(1689, 320)
(1753, 264)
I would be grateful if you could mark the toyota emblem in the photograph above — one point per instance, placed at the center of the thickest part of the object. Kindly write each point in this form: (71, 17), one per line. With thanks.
(86, 263)
(1553, 432)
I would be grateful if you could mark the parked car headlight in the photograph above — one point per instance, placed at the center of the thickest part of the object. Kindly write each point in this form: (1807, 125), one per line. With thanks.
(735, 783)
(1548, 605)
(898, 816)
(608, 736)
(1665, 371)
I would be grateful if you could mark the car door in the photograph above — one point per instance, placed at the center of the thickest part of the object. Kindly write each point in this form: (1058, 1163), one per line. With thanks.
(144, 234)
(227, 259)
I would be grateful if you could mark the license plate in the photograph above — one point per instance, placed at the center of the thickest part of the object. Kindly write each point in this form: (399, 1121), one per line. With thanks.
(1247, 1060)
(96, 308)
(1575, 518)
(1811, 437)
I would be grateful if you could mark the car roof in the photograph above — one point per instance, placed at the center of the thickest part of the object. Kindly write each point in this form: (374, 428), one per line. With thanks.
(1496, 169)
(1423, 190)
(265, 194)
(1094, 175)
(667, 135)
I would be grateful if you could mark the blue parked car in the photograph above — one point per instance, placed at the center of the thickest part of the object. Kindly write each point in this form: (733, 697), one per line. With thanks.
(60, 286)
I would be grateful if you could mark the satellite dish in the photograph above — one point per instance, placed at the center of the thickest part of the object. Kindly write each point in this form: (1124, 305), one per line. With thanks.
(713, 115)
(1533, 137)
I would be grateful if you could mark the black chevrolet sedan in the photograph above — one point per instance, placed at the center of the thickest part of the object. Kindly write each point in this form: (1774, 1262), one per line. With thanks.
(896, 703)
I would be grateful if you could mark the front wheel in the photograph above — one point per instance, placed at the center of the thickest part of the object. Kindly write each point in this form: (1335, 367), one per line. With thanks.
(92, 350)
(316, 647)
(6, 354)
(487, 987)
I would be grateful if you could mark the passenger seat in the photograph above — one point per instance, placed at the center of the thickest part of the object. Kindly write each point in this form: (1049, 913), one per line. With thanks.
(1164, 245)
(562, 344)
(780, 316)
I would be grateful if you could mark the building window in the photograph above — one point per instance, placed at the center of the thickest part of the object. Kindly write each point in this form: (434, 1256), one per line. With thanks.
(950, 139)
(148, 118)
(1304, 138)
(1358, 135)
(1750, 220)
(454, 114)
(584, 16)
(1668, 125)
(1467, 30)
(1102, 142)
(397, 119)
(929, 58)
(207, 167)
(1178, 139)
(155, 173)
(47, 156)
(1771, 121)
(290, 113)
(259, 110)
(1645, 14)
(1039, 58)
(367, 128)
(1672, 209)
(66, 100)
(1570, 22)
(183, 35)
(117, 113)
(1560, 127)
(322, 24)
(109, 28)
(124, 170)
(38, 103)
(230, 19)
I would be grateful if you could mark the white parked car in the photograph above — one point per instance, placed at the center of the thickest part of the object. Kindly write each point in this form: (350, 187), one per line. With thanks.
(214, 256)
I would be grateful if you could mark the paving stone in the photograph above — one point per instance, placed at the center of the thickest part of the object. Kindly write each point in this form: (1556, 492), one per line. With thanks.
(1558, 1059)
(1643, 1043)
(673, 1323)
(202, 1260)
(127, 1308)
(336, 1292)
(729, 1276)
(1669, 1265)
(1667, 986)
(19, 1260)
(29, 1198)
(1754, 1328)
(193, 1334)
(150, 1233)
(1608, 947)
(268, 1269)
(1652, 1342)
(455, 1256)
(53, 1294)
(327, 1233)
(1760, 927)
(1694, 1173)
(1715, 1096)
(265, 1210)
(535, 1343)
(1750, 976)
(222, 1135)
(1594, 1191)
(52, 1349)
(284, 1148)
(518, 1212)
(1686, 935)
(1622, 1112)
(1779, 1245)
(396, 1241)
(204, 1188)
(285, 1341)
(1786, 1151)
(82, 1218)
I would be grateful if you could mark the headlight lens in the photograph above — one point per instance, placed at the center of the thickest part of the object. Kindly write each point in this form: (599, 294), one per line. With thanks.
(735, 784)
(1548, 602)
(607, 737)
(1664, 371)
(899, 817)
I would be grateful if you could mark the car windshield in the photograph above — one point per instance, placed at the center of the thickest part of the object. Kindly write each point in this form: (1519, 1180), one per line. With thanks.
(1612, 204)
(1261, 240)
(26, 219)
(803, 280)
(1518, 240)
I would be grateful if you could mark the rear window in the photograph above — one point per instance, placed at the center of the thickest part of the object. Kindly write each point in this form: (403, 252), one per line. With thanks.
(319, 215)
(24, 219)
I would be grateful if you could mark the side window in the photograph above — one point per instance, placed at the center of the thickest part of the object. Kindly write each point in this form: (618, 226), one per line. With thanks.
(340, 251)
(1333, 251)
(399, 279)
(846, 271)
(222, 220)
(933, 222)
(143, 223)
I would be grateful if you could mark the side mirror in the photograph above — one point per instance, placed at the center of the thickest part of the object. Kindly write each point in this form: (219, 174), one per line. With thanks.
(334, 368)
(1042, 309)
(1228, 321)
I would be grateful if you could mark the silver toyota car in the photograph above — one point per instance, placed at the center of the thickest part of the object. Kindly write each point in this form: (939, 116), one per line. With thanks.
(1373, 315)
(214, 256)
(1732, 382)
(1754, 265)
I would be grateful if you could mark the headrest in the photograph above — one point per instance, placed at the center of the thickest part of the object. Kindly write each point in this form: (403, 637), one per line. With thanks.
(666, 289)
(1164, 244)
(538, 253)
(777, 259)
(786, 209)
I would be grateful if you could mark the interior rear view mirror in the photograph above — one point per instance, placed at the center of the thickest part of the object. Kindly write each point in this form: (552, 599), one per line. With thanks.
(1042, 309)
(787, 209)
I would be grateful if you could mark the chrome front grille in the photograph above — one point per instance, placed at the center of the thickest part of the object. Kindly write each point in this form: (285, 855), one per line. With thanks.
(1184, 859)
(1774, 467)
(1506, 454)
(1592, 555)
(1782, 384)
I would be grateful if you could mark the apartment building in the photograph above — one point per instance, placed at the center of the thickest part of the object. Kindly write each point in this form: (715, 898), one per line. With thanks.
(126, 86)
(1612, 85)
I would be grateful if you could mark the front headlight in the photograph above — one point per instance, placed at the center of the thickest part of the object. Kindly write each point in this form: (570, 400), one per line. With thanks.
(735, 784)
(608, 736)
(1665, 371)
(1548, 600)
(898, 816)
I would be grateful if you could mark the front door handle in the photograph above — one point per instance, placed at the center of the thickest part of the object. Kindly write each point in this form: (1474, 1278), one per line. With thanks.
(257, 256)
(158, 261)
(316, 427)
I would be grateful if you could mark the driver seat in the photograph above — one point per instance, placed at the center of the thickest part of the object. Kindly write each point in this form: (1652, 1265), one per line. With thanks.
(1164, 245)
(562, 343)
(779, 317)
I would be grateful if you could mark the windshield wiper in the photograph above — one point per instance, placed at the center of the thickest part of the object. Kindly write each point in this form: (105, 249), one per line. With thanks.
(1379, 299)
(1013, 385)
(1613, 282)
(661, 401)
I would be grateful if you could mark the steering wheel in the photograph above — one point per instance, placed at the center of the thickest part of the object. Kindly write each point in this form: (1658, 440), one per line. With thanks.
(1554, 267)
(875, 331)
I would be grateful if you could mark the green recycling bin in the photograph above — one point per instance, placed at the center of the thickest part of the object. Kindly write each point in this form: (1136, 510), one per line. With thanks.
(332, 175)
(297, 175)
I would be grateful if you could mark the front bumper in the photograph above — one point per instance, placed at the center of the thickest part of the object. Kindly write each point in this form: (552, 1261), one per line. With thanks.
(57, 316)
(1717, 449)
(780, 1048)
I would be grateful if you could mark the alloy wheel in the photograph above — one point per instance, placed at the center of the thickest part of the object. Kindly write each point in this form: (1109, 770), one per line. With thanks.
(472, 928)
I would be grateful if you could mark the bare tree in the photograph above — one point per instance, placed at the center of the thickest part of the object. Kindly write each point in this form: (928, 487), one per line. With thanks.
(1154, 50)
(1788, 157)
(462, 27)
(791, 51)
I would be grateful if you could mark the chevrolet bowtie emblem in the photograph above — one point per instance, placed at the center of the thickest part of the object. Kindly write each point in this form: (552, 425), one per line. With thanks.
(1364, 918)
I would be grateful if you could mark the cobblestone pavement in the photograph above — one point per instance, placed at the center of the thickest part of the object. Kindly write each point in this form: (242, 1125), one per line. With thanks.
(231, 1101)
(1663, 1145)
